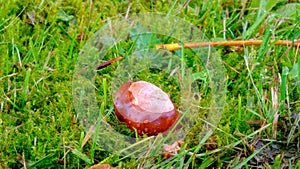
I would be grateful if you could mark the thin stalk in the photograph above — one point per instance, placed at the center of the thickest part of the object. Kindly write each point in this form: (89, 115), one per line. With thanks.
(177, 46)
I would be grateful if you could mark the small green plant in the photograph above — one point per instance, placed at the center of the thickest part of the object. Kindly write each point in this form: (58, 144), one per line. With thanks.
(40, 43)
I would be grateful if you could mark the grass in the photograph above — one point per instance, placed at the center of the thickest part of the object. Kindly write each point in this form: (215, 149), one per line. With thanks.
(41, 41)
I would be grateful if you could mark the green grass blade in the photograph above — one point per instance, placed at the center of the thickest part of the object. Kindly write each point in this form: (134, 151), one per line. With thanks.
(40, 162)
(284, 74)
(26, 87)
(250, 32)
(244, 162)
(82, 156)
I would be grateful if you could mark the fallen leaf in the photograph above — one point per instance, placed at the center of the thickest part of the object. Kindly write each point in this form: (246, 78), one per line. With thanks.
(171, 150)
(102, 166)
(212, 144)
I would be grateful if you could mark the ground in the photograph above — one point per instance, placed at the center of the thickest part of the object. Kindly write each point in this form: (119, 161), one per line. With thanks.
(41, 42)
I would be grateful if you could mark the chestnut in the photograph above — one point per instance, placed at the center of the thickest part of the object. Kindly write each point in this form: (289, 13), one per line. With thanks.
(145, 107)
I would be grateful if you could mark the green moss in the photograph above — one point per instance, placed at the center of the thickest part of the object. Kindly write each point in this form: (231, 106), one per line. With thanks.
(38, 41)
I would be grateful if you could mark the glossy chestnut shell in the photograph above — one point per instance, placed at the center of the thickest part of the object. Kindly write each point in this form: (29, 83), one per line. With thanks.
(145, 107)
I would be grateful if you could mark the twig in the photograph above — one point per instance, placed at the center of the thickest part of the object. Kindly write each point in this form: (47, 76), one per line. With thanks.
(177, 46)
(103, 65)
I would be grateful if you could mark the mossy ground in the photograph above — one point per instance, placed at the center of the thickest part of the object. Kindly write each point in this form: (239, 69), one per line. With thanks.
(40, 42)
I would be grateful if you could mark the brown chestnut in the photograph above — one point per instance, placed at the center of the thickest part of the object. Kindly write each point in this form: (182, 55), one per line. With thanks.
(145, 107)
